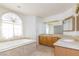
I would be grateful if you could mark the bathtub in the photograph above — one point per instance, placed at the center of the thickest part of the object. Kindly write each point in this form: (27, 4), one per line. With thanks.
(7, 47)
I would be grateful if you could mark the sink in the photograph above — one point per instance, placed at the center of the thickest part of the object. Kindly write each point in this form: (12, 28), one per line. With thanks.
(68, 40)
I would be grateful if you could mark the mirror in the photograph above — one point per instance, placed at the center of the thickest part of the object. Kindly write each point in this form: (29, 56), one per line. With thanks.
(69, 24)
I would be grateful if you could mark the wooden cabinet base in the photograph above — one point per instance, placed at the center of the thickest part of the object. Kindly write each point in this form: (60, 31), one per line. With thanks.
(61, 51)
(47, 40)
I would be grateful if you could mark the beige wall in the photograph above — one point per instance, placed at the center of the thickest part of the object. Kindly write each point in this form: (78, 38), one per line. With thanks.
(62, 16)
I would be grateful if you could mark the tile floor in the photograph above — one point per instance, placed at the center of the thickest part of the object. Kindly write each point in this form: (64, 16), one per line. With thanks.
(42, 50)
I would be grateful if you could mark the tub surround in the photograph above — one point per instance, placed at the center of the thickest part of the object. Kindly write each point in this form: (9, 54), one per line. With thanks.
(2, 39)
(7, 45)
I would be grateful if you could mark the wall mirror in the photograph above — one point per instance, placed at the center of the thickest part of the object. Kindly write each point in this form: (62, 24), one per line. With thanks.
(69, 24)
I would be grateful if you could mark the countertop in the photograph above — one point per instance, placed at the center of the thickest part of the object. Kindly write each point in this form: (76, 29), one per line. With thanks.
(62, 36)
(68, 43)
(53, 35)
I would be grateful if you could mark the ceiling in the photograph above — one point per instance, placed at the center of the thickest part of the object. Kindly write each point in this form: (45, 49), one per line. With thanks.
(38, 9)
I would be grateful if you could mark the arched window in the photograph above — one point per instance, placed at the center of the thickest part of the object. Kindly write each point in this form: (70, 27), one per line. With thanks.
(11, 25)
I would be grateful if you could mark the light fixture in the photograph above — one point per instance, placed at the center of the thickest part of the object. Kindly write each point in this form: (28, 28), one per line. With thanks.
(77, 8)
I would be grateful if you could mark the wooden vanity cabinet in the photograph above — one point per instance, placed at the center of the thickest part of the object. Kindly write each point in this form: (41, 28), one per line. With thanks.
(62, 51)
(47, 40)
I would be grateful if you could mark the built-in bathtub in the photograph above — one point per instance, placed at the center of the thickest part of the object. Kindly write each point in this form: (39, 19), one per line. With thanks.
(23, 45)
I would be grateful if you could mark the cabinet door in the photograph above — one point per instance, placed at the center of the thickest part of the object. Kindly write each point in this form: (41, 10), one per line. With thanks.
(43, 40)
(54, 39)
(51, 40)
(59, 51)
(47, 40)
(72, 52)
